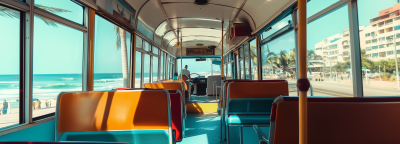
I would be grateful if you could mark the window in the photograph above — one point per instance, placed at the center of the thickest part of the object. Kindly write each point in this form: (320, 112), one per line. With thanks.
(139, 42)
(9, 68)
(147, 46)
(253, 59)
(162, 66)
(374, 47)
(372, 33)
(63, 8)
(146, 69)
(282, 47)
(55, 69)
(374, 40)
(374, 54)
(382, 46)
(332, 69)
(389, 52)
(242, 76)
(155, 50)
(367, 34)
(398, 51)
(241, 52)
(381, 38)
(155, 68)
(316, 6)
(382, 54)
(389, 45)
(397, 27)
(332, 46)
(247, 60)
(138, 69)
(346, 53)
(111, 60)
(368, 42)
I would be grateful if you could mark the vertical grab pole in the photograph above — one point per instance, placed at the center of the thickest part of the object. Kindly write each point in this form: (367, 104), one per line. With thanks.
(302, 83)
(222, 50)
(92, 13)
(181, 57)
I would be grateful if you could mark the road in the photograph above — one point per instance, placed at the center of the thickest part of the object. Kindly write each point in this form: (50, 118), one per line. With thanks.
(327, 88)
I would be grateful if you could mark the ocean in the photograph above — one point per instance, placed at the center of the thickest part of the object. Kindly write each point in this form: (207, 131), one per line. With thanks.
(48, 86)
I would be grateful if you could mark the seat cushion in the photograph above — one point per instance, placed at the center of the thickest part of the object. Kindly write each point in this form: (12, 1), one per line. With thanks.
(248, 119)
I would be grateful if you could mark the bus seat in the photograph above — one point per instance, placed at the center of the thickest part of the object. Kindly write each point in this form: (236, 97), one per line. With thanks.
(176, 110)
(134, 116)
(210, 84)
(250, 103)
(40, 142)
(174, 87)
(332, 120)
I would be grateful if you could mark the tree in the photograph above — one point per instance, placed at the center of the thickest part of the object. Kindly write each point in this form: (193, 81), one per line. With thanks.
(7, 12)
(121, 43)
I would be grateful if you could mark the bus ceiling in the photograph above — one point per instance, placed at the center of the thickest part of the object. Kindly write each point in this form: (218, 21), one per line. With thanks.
(166, 22)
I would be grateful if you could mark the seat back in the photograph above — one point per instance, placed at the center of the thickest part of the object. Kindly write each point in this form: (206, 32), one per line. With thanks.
(367, 120)
(167, 86)
(254, 97)
(114, 116)
(180, 81)
(210, 83)
(227, 82)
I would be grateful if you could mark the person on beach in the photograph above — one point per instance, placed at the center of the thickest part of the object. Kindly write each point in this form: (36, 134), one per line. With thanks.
(4, 108)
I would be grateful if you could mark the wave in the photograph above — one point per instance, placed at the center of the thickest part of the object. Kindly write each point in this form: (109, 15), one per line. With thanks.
(58, 86)
(107, 80)
(66, 79)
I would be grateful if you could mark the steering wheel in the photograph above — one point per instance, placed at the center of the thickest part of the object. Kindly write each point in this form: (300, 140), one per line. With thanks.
(196, 78)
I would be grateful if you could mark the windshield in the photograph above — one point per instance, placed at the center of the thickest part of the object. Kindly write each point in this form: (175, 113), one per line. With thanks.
(200, 68)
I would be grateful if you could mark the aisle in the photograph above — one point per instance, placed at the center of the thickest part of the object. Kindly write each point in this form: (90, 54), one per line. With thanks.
(202, 129)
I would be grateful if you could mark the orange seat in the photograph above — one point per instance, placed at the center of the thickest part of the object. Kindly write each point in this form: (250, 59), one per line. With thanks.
(113, 111)
(349, 120)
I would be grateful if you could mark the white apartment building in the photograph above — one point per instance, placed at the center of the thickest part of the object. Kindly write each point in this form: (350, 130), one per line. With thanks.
(380, 36)
(331, 49)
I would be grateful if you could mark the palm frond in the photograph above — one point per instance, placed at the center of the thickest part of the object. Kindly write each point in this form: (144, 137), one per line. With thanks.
(51, 9)
(7, 12)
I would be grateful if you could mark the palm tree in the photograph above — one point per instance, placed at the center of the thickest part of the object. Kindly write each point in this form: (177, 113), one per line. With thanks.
(312, 56)
(121, 43)
(7, 12)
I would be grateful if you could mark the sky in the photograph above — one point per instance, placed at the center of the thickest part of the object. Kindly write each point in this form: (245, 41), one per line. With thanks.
(58, 50)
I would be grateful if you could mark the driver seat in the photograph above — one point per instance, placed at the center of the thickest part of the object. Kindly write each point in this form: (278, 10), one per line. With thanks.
(185, 80)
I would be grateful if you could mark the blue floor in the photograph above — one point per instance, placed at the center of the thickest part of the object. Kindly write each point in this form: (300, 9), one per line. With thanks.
(202, 129)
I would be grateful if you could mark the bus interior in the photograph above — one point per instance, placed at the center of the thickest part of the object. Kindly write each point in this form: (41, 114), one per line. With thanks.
(199, 71)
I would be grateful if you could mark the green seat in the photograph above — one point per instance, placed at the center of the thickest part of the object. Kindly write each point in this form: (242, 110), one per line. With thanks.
(248, 119)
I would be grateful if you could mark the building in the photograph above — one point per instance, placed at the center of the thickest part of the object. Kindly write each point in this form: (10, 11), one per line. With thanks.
(381, 35)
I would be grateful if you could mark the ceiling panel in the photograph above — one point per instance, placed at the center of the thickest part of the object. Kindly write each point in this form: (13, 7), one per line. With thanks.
(185, 10)
(201, 31)
(262, 11)
(197, 23)
(151, 14)
(230, 3)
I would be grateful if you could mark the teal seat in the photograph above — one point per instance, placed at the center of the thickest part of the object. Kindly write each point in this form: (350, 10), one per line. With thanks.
(248, 119)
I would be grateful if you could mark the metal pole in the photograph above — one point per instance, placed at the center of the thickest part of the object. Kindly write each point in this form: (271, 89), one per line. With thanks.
(302, 83)
(181, 56)
(395, 59)
(222, 50)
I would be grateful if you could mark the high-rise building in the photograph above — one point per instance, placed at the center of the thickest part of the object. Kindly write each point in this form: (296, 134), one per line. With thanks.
(381, 35)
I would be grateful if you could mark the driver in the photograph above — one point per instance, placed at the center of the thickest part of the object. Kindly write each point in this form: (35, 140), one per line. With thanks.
(185, 72)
